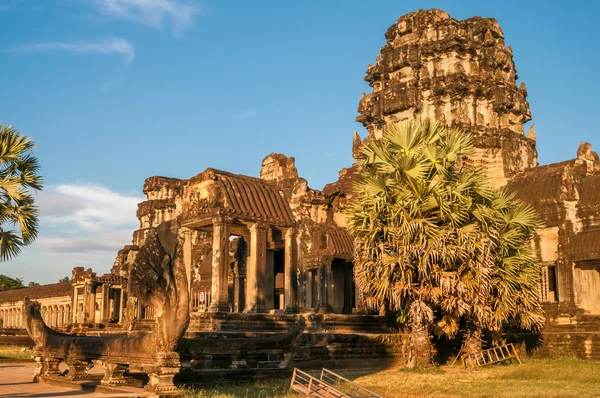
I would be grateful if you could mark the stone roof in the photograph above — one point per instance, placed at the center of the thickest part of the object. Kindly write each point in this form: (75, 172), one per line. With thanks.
(245, 197)
(541, 187)
(340, 243)
(585, 246)
(109, 278)
(52, 290)
(327, 241)
(590, 192)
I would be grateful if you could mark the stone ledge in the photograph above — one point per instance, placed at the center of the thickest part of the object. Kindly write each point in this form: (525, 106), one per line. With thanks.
(92, 386)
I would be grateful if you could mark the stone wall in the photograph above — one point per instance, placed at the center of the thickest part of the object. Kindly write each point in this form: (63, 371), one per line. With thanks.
(566, 195)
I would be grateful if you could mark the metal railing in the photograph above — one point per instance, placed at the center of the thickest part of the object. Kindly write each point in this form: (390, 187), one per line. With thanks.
(329, 385)
(346, 386)
(310, 386)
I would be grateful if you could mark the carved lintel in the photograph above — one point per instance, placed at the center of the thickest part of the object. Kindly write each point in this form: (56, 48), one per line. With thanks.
(258, 226)
(220, 220)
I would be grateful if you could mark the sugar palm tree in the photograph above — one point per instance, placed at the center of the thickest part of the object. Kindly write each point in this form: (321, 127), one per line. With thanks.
(18, 177)
(436, 242)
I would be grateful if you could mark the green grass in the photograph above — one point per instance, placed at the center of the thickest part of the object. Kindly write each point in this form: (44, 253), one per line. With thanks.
(12, 353)
(561, 377)
(274, 388)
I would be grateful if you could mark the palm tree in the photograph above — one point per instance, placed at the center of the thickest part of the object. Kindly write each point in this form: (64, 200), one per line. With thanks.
(18, 176)
(436, 242)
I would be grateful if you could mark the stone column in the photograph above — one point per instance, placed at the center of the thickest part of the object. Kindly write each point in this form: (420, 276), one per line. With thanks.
(121, 304)
(330, 286)
(75, 304)
(220, 265)
(104, 301)
(238, 287)
(256, 268)
(323, 280)
(85, 317)
(309, 302)
(187, 257)
(290, 286)
(269, 285)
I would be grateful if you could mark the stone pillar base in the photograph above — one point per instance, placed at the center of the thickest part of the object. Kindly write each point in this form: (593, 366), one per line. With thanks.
(77, 369)
(293, 309)
(221, 307)
(257, 309)
(168, 365)
(50, 367)
(114, 375)
(39, 360)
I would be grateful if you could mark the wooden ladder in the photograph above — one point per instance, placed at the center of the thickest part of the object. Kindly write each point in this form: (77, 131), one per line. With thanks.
(491, 356)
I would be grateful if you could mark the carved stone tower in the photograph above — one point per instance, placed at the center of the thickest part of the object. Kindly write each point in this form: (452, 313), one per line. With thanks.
(460, 73)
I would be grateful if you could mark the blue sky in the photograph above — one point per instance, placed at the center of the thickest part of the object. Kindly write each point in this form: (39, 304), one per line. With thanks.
(115, 91)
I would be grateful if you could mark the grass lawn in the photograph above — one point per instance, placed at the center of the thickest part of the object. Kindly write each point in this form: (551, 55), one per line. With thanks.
(12, 353)
(564, 377)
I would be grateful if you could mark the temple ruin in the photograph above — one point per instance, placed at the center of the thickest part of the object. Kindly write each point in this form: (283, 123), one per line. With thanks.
(259, 251)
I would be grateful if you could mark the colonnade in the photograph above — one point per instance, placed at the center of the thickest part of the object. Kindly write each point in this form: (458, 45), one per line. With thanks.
(256, 267)
(93, 309)
(54, 315)
(11, 318)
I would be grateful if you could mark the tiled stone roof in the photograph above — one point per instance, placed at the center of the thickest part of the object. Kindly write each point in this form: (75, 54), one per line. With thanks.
(541, 188)
(246, 197)
(585, 246)
(52, 290)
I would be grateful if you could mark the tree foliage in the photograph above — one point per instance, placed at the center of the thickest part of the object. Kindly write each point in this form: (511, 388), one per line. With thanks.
(10, 283)
(18, 176)
(64, 279)
(435, 241)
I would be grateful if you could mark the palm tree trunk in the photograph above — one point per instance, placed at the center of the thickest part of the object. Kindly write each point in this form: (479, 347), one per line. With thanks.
(420, 350)
(473, 342)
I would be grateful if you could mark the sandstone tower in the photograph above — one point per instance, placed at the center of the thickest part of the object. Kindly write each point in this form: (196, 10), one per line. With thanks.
(460, 73)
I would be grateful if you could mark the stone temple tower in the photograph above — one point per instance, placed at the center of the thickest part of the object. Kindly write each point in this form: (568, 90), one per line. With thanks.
(460, 73)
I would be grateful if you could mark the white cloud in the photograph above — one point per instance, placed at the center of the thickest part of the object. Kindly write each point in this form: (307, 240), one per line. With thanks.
(80, 225)
(156, 13)
(246, 114)
(111, 45)
(89, 208)
(110, 242)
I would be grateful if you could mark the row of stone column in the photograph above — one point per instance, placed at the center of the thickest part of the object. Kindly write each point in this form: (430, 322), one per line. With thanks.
(53, 316)
(86, 312)
(329, 290)
(11, 318)
(56, 315)
(255, 300)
